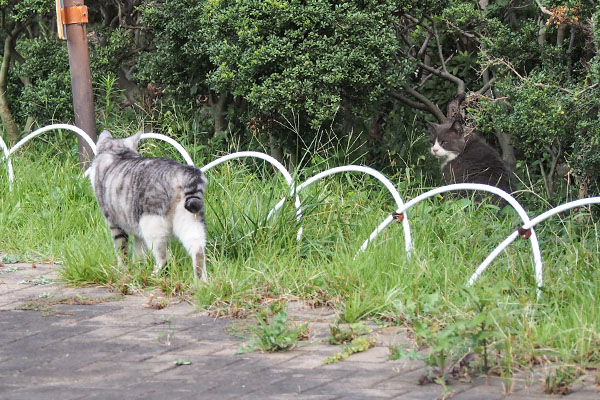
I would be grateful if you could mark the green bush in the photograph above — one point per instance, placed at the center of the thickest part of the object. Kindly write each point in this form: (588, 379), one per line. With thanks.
(48, 98)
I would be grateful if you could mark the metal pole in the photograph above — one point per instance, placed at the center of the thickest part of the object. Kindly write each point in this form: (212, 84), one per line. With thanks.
(81, 82)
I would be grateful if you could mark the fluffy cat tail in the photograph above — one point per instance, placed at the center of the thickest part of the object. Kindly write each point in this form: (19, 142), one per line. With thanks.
(193, 190)
(193, 204)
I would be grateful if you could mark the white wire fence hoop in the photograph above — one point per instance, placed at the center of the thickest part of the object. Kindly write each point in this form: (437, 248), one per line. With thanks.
(535, 247)
(164, 138)
(563, 207)
(172, 142)
(286, 175)
(47, 128)
(37, 132)
(369, 171)
(9, 167)
(528, 226)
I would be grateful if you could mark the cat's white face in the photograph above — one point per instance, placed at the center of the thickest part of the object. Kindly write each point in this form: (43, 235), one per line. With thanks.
(439, 152)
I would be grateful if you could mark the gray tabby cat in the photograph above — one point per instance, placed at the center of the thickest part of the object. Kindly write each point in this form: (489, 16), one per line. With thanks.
(149, 198)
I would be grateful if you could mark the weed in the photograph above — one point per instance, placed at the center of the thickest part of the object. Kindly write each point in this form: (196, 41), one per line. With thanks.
(562, 379)
(340, 335)
(46, 301)
(446, 347)
(78, 299)
(36, 281)
(160, 303)
(456, 345)
(357, 345)
(5, 259)
(397, 352)
(274, 334)
(108, 92)
(8, 270)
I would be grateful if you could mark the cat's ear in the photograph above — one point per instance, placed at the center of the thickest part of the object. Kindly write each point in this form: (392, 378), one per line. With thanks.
(104, 134)
(133, 141)
(432, 127)
(457, 126)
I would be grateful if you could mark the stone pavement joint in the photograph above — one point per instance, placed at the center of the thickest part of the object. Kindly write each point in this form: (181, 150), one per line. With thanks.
(58, 342)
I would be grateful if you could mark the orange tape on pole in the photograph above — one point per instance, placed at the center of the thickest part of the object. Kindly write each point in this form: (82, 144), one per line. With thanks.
(75, 15)
(69, 15)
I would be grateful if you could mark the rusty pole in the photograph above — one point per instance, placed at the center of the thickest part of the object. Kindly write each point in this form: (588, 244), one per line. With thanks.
(75, 17)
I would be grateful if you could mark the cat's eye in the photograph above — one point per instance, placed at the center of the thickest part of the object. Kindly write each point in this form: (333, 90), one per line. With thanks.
(444, 141)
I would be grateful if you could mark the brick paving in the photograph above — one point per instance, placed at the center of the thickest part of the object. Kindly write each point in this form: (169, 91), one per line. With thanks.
(119, 348)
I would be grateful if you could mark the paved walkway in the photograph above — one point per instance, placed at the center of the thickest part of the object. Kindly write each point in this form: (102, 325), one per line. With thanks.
(62, 343)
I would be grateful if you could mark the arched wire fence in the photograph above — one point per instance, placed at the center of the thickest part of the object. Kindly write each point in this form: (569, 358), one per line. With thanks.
(37, 132)
(526, 230)
(535, 247)
(288, 178)
(369, 171)
(9, 168)
(172, 142)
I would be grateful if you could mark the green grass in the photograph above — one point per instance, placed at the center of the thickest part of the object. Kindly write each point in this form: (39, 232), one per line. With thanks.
(51, 214)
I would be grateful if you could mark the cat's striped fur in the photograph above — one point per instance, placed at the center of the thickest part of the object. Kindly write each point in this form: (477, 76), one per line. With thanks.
(151, 199)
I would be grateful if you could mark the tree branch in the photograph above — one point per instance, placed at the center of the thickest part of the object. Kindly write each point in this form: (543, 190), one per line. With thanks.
(545, 178)
(486, 86)
(555, 153)
(430, 106)
(572, 40)
(412, 19)
(446, 75)
(424, 46)
(514, 71)
(462, 32)
(412, 103)
(542, 8)
(439, 48)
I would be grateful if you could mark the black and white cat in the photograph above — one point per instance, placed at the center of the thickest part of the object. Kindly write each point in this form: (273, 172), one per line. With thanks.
(151, 199)
(467, 158)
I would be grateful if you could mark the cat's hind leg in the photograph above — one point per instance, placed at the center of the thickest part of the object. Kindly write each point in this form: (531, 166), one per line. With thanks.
(156, 232)
(189, 229)
(199, 261)
(140, 250)
(121, 243)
